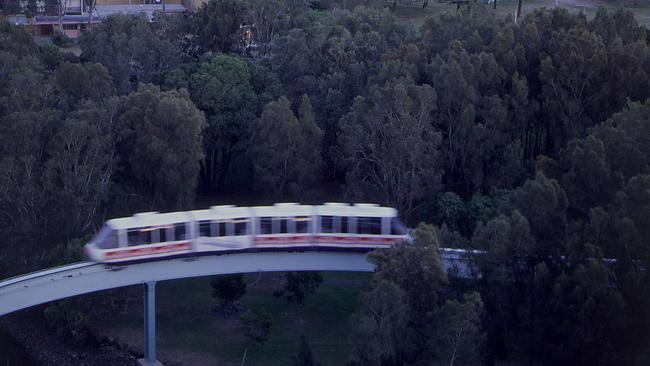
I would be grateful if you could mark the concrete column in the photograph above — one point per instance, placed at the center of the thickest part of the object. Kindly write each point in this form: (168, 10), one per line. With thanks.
(149, 326)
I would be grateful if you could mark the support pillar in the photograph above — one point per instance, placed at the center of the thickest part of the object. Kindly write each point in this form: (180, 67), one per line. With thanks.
(149, 326)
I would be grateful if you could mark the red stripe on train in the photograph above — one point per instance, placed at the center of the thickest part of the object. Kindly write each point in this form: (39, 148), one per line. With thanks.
(122, 253)
(325, 239)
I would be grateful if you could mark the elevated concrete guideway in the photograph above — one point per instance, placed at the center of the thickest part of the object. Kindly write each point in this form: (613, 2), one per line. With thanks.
(80, 278)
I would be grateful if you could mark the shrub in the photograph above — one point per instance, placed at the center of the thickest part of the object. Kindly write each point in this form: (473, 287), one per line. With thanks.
(61, 40)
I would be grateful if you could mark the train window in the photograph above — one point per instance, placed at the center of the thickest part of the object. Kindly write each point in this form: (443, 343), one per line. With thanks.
(132, 237)
(302, 224)
(135, 237)
(179, 231)
(162, 235)
(204, 228)
(281, 227)
(266, 225)
(369, 225)
(344, 224)
(240, 226)
(148, 235)
(397, 227)
(326, 224)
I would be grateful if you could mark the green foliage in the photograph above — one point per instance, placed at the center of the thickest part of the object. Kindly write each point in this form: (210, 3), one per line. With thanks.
(633, 120)
(222, 85)
(67, 165)
(70, 319)
(589, 180)
(222, 89)
(450, 210)
(284, 150)
(417, 269)
(60, 39)
(24, 84)
(84, 81)
(310, 173)
(257, 325)
(161, 145)
(81, 166)
(23, 192)
(68, 323)
(51, 55)
(131, 50)
(68, 252)
(508, 238)
(299, 285)
(14, 40)
(229, 289)
(543, 202)
(379, 328)
(458, 337)
(389, 146)
(266, 18)
(265, 82)
(217, 25)
(405, 317)
(588, 300)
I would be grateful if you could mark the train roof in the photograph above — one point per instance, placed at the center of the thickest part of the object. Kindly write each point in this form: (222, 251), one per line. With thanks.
(228, 212)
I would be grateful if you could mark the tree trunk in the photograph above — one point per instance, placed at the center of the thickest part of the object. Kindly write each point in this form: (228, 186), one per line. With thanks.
(60, 22)
(259, 276)
(495, 4)
(243, 359)
(62, 8)
(90, 13)
(519, 9)
(125, 308)
(300, 313)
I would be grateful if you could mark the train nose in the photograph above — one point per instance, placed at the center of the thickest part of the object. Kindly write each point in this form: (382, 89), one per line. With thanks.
(87, 251)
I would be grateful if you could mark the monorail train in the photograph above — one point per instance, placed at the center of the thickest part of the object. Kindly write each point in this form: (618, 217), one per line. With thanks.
(223, 229)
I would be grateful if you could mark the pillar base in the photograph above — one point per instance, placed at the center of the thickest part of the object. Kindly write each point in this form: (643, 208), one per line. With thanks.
(144, 362)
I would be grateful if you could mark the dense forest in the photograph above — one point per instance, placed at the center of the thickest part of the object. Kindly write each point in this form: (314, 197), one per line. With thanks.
(529, 140)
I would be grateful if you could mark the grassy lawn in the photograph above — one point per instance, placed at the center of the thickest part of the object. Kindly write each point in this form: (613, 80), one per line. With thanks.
(190, 333)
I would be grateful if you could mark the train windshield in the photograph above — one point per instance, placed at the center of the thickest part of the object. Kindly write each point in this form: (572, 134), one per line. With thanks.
(397, 227)
(106, 238)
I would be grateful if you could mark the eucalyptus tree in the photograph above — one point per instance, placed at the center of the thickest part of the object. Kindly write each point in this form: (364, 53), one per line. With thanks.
(160, 148)
(285, 150)
(222, 89)
(389, 147)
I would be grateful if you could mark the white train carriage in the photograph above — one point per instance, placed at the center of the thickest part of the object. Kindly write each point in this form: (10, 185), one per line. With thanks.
(223, 229)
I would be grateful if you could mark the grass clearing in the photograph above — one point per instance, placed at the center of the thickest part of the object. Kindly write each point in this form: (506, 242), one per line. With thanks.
(417, 15)
(189, 332)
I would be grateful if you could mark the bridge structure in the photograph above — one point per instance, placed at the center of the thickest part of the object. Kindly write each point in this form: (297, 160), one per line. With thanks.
(81, 278)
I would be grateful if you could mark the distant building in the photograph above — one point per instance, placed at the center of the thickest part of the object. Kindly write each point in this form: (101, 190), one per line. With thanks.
(42, 18)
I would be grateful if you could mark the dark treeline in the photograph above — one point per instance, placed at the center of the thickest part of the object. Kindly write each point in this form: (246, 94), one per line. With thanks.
(531, 141)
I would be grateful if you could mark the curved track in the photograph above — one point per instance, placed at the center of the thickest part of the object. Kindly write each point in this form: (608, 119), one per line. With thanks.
(80, 278)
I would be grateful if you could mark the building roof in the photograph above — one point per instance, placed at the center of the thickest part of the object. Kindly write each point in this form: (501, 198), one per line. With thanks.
(101, 12)
(149, 9)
